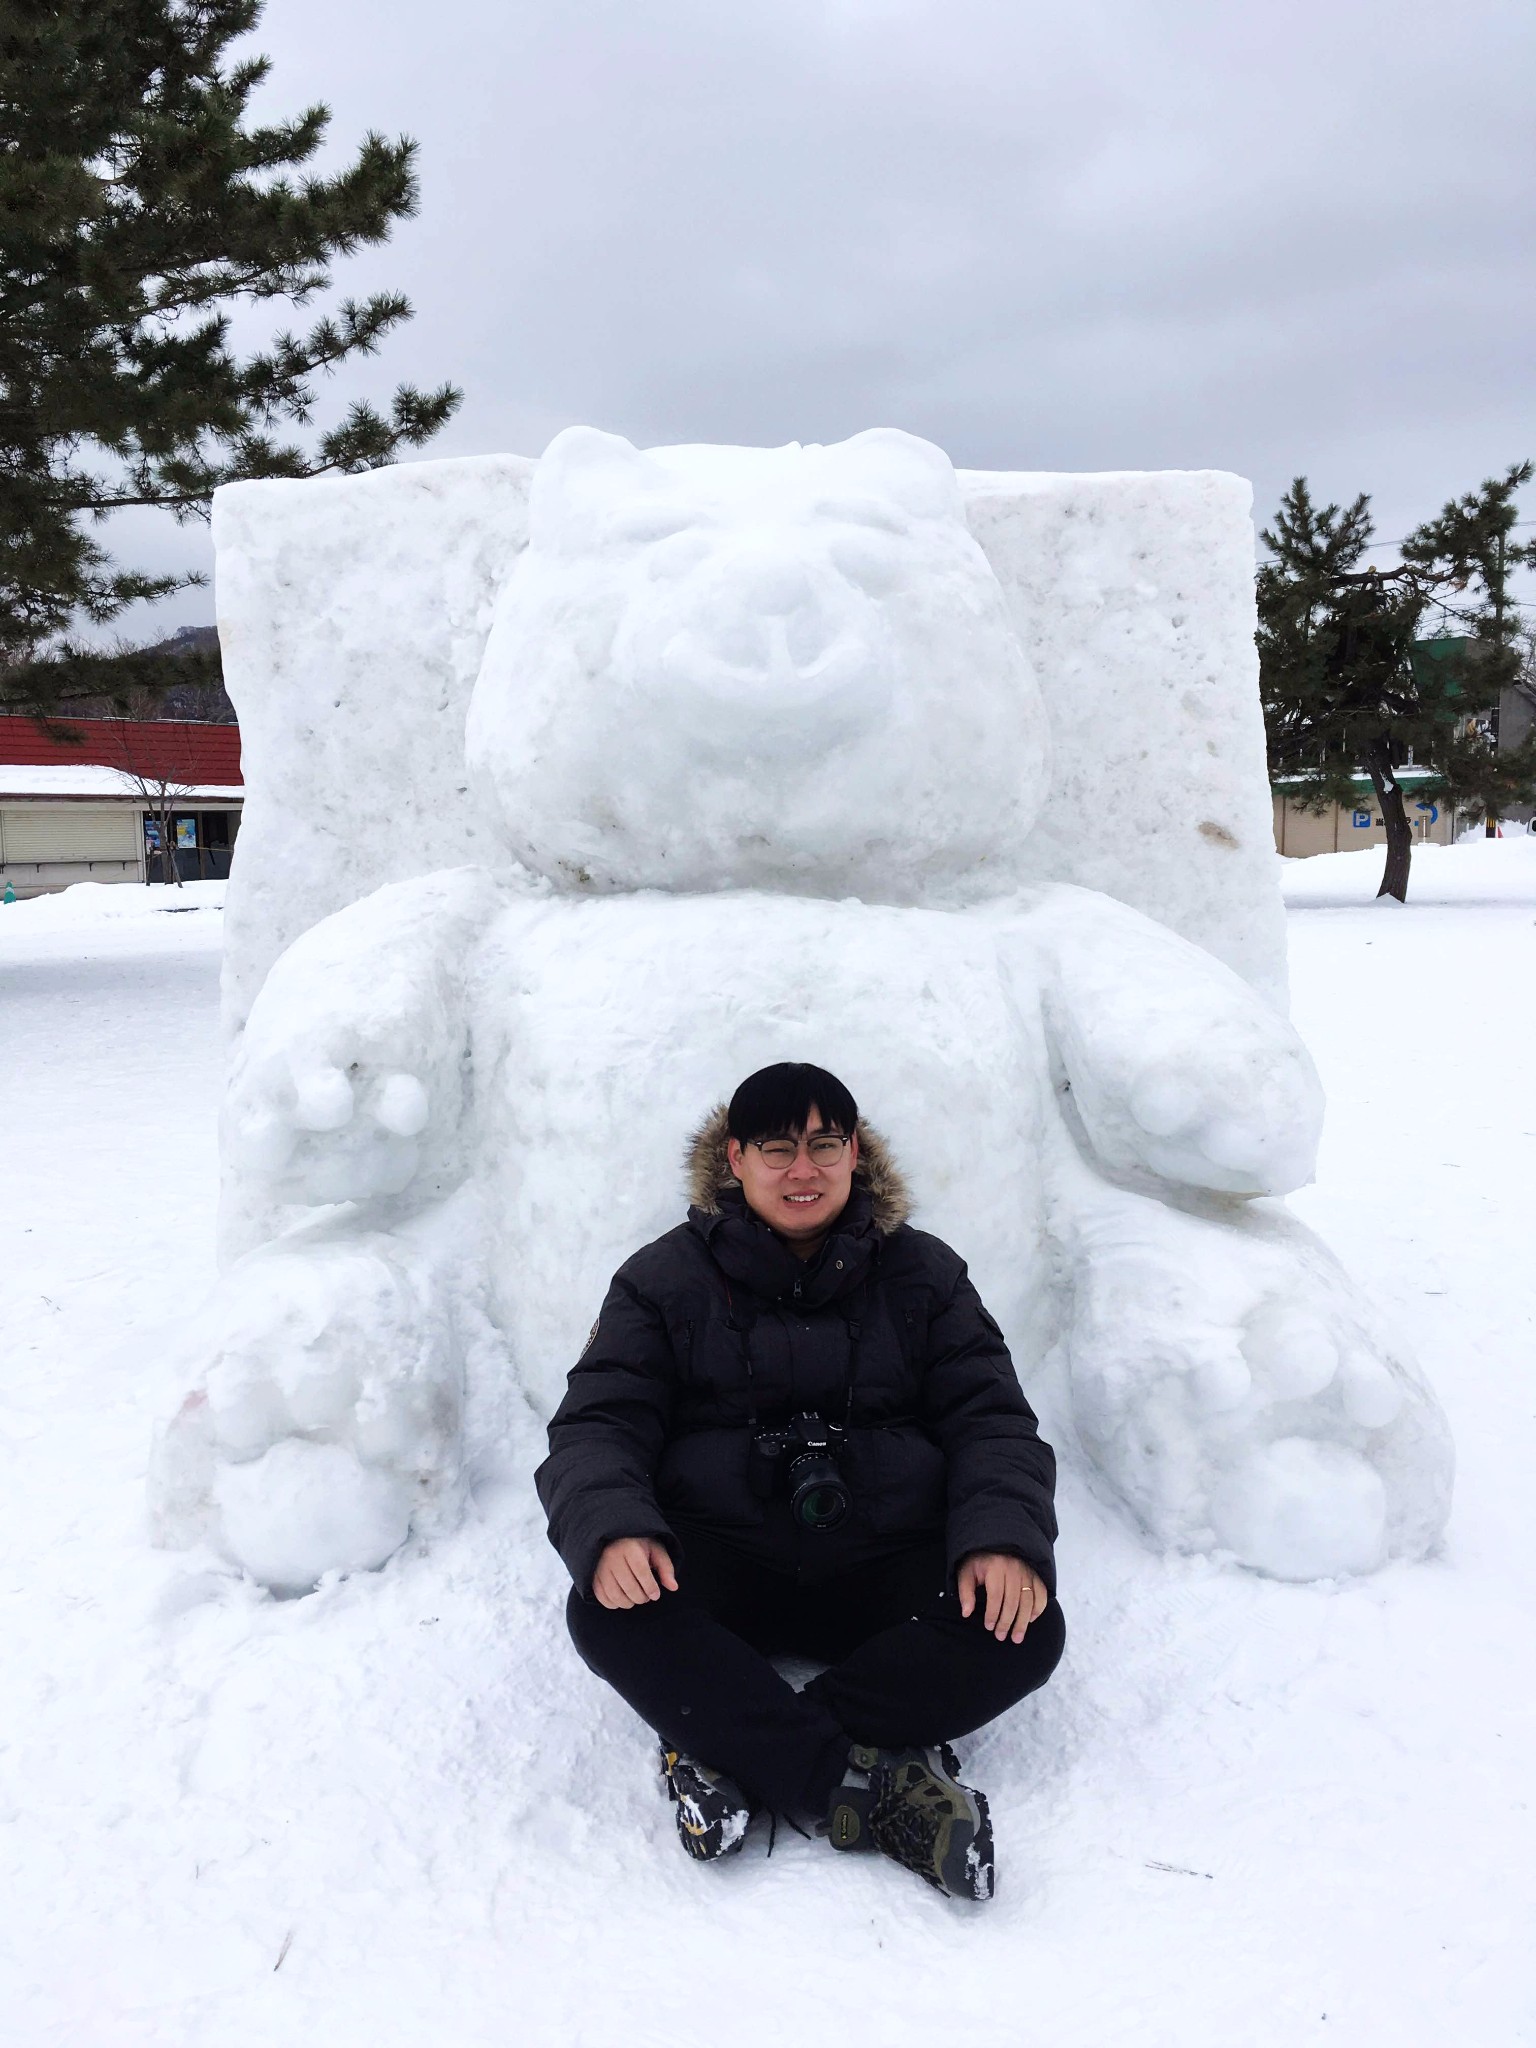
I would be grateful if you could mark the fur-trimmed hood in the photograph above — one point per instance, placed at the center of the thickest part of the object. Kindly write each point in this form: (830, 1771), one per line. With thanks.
(710, 1175)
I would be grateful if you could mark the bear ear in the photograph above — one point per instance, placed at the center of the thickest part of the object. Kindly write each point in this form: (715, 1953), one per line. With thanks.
(916, 475)
(582, 474)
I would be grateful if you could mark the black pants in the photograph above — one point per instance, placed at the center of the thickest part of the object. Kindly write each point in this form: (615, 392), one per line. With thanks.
(903, 1667)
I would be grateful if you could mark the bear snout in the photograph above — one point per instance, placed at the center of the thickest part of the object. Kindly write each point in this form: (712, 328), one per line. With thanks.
(767, 669)
(758, 636)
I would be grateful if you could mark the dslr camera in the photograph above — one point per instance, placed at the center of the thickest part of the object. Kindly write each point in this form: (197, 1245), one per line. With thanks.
(801, 1460)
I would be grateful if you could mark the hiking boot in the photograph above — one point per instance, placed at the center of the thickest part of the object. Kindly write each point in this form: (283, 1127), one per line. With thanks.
(712, 1809)
(910, 1804)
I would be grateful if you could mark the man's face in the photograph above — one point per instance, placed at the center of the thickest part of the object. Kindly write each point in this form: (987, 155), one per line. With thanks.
(803, 1197)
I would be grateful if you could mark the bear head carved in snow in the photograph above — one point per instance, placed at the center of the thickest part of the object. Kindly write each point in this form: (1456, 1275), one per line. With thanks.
(787, 668)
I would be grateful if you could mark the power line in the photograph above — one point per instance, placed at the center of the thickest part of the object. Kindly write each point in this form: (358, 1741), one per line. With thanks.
(1397, 543)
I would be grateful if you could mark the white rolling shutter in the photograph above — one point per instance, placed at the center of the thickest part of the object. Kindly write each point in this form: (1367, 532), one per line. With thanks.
(69, 832)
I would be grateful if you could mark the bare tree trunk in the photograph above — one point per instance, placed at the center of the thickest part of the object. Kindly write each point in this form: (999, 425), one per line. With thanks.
(1490, 821)
(1378, 762)
(170, 867)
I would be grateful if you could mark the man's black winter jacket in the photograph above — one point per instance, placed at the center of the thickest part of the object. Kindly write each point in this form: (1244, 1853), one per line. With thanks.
(717, 1330)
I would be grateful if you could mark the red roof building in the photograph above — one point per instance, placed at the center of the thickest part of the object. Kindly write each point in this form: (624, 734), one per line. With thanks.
(92, 800)
(173, 748)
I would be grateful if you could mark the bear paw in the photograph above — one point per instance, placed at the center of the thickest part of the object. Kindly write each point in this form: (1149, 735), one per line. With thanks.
(1228, 1384)
(325, 1423)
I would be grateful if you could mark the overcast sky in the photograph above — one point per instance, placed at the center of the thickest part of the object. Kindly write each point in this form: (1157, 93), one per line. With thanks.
(1263, 235)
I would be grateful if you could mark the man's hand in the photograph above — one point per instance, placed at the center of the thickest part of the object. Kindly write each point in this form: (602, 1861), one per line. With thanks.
(1016, 1596)
(628, 1570)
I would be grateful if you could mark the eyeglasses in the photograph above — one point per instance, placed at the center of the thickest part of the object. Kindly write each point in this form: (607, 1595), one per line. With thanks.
(824, 1147)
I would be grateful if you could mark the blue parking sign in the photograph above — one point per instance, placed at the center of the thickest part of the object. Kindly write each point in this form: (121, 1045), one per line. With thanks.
(1361, 820)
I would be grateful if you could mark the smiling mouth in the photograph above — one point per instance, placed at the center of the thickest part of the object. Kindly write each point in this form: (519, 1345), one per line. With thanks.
(802, 1201)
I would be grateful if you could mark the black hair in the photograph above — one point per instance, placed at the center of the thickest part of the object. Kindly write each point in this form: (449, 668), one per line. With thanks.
(776, 1102)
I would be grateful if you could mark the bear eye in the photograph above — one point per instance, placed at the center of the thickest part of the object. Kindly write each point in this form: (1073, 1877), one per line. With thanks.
(868, 513)
(868, 561)
(647, 523)
(677, 554)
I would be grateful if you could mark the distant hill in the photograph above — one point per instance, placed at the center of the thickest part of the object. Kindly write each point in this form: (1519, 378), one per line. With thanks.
(205, 700)
(201, 698)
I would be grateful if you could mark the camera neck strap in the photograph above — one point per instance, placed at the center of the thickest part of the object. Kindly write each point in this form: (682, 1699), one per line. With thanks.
(743, 1320)
(853, 1316)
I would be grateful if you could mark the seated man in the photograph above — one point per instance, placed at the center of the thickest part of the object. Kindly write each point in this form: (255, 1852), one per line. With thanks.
(796, 1431)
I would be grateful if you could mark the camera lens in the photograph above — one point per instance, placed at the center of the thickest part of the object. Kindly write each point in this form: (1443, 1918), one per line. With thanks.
(817, 1496)
(823, 1507)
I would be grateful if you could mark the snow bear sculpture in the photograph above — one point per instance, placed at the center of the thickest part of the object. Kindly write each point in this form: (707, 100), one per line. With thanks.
(758, 748)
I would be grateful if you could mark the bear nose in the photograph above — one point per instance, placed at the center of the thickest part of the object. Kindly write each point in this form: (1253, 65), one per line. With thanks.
(760, 635)
(774, 585)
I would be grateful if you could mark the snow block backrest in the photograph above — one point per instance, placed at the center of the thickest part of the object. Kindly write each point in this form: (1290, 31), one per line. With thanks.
(1133, 595)
(353, 613)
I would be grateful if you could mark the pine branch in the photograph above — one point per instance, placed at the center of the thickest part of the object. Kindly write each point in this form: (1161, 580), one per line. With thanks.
(79, 676)
(136, 206)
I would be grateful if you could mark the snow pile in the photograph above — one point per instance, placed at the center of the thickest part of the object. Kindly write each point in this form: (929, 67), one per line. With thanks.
(97, 903)
(1479, 871)
(466, 1092)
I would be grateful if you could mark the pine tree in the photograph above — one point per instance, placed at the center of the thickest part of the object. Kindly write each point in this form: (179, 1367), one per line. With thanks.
(137, 206)
(1376, 669)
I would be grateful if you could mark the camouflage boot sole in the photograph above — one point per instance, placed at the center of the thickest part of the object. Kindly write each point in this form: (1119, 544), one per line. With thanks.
(922, 1817)
(712, 1810)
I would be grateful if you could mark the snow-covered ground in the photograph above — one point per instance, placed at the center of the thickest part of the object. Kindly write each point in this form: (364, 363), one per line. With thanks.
(400, 1812)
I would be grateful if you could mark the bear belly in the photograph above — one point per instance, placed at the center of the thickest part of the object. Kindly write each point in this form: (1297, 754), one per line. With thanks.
(604, 1030)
